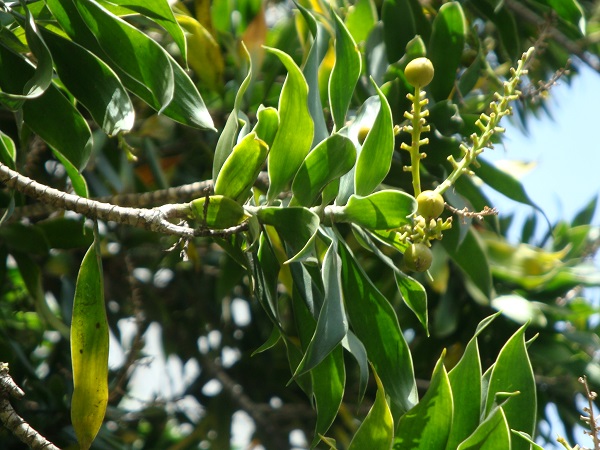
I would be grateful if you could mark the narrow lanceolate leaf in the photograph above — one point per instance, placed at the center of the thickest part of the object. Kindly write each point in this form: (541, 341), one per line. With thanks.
(375, 159)
(415, 297)
(229, 134)
(40, 78)
(160, 12)
(375, 323)
(89, 351)
(492, 434)
(512, 372)
(295, 134)
(65, 129)
(93, 83)
(134, 52)
(332, 324)
(328, 161)
(399, 27)
(426, 426)
(377, 430)
(344, 74)
(241, 168)
(446, 47)
(379, 211)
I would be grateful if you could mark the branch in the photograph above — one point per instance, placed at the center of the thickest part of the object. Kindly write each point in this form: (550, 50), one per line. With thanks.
(11, 420)
(153, 219)
(530, 16)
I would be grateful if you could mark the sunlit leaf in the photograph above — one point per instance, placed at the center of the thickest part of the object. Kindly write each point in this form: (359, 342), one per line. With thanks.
(295, 134)
(89, 351)
(381, 210)
(217, 211)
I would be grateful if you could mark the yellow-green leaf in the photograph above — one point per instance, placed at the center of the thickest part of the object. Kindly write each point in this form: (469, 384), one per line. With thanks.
(89, 351)
(220, 212)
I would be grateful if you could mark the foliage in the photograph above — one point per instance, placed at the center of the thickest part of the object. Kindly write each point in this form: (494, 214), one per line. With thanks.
(308, 219)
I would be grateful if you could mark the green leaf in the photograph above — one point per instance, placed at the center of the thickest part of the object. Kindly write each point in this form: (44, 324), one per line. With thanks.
(24, 238)
(61, 232)
(217, 212)
(446, 47)
(471, 257)
(229, 134)
(375, 158)
(240, 170)
(8, 151)
(414, 296)
(40, 78)
(267, 124)
(160, 12)
(290, 146)
(297, 226)
(328, 381)
(379, 211)
(89, 351)
(512, 372)
(375, 323)
(377, 430)
(77, 180)
(358, 351)
(332, 324)
(568, 10)
(344, 74)
(398, 27)
(93, 83)
(130, 49)
(65, 129)
(361, 19)
(520, 310)
(311, 73)
(492, 434)
(328, 161)
(427, 425)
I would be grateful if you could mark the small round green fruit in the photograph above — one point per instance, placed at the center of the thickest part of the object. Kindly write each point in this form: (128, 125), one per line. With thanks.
(419, 72)
(418, 257)
(430, 204)
(362, 134)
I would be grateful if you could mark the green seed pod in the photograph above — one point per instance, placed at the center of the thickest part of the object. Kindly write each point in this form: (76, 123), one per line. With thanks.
(430, 204)
(418, 257)
(419, 72)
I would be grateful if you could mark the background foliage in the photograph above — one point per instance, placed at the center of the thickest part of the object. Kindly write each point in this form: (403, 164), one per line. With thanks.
(89, 86)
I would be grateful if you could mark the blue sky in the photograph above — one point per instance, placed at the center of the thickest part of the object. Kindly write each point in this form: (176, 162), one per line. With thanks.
(565, 148)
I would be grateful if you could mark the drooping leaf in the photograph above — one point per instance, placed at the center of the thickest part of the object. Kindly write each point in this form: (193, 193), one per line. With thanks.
(89, 351)
(40, 78)
(375, 323)
(379, 211)
(377, 430)
(344, 74)
(376, 156)
(93, 83)
(332, 324)
(295, 134)
(446, 47)
(241, 168)
(427, 424)
(297, 226)
(328, 161)
(511, 373)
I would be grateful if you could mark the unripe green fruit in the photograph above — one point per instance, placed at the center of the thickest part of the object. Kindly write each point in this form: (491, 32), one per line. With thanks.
(419, 72)
(430, 204)
(418, 257)
(362, 134)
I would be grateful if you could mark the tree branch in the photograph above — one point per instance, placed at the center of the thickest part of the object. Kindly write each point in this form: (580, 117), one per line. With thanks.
(11, 420)
(153, 219)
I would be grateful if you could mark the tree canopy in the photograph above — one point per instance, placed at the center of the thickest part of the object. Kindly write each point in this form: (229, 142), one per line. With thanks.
(292, 195)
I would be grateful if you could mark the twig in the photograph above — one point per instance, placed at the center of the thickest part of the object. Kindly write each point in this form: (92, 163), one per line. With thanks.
(11, 420)
(590, 419)
(465, 213)
(153, 219)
